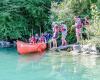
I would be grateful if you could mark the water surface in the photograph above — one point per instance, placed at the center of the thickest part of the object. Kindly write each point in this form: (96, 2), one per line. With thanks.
(47, 66)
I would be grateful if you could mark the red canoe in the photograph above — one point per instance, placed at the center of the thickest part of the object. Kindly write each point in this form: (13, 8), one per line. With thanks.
(26, 48)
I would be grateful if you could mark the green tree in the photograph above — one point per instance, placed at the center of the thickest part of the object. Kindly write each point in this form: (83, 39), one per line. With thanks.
(95, 26)
(19, 18)
(67, 9)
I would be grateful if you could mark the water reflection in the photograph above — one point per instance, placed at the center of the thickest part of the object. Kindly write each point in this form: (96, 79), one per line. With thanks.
(25, 60)
(88, 61)
(52, 66)
(58, 66)
(62, 65)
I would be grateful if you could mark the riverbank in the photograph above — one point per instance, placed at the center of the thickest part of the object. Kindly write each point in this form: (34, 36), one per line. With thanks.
(7, 44)
(91, 46)
(86, 47)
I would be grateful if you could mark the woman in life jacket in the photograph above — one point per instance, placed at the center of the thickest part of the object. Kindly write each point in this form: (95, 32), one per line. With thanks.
(78, 26)
(64, 33)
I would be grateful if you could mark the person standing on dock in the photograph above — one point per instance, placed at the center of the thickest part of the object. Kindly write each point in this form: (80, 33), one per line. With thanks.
(55, 35)
(64, 33)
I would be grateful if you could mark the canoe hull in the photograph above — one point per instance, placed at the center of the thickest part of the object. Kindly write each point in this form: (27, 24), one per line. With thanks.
(26, 48)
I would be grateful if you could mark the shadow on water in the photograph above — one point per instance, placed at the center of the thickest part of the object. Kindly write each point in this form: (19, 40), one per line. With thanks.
(31, 57)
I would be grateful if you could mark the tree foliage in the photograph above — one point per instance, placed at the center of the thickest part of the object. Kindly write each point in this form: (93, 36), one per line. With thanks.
(19, 18)
(67, 9)
(95, 26)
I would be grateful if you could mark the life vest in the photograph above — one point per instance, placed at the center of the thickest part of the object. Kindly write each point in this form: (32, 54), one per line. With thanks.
(78, 23)
(63, 29)
(32, 40)
(42, 39)
(55, 29)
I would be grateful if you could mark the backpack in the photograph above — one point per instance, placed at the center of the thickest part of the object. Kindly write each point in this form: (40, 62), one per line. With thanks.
(83, 21)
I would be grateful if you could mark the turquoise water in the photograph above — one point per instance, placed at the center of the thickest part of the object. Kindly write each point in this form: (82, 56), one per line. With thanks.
(47, 66)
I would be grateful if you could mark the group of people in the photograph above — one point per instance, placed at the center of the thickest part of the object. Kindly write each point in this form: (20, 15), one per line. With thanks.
(51, 38)
(60, 28)
(81, 27)
(43, 38)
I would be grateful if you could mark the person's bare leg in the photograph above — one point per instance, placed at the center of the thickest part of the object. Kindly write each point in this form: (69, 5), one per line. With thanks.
(78, 39)
(65, 42)
(55, 43)
(62, 41)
